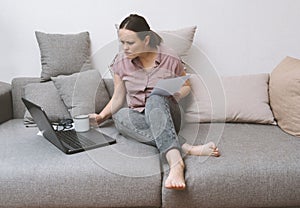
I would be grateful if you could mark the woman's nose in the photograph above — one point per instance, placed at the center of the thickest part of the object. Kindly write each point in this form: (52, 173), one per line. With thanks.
(125, 47)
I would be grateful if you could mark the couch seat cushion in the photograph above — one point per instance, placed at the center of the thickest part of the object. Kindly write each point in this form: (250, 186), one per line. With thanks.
(258, 167)
(34, 173)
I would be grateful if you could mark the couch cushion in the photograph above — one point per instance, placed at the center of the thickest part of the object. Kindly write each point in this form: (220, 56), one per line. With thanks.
(83, 92)
(179, 40)
(18, 85)
(285, 95)
(63, 53)
(6, 102)
(109, 84)
(258, 167)
(246, 99)
(34, 173)
(45, 95)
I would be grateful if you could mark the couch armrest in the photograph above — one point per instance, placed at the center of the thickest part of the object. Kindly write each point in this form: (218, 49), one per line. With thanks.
(6, 110)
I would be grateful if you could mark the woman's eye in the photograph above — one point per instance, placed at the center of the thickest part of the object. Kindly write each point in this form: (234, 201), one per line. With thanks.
(127, 42)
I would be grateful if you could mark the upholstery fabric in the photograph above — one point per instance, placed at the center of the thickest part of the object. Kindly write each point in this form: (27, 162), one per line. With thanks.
(6, 111)
(34, 173)
(46, 95)
(258, 167)
(18, 85)
(285, 95)
(109, 84)
(82, 92)
(246, 100)
(63, 53)
(179, 40)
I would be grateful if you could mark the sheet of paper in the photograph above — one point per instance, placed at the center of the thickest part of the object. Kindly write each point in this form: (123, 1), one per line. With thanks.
(169, 86)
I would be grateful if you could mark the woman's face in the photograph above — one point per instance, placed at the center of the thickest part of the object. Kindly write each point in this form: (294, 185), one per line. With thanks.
(132, 45)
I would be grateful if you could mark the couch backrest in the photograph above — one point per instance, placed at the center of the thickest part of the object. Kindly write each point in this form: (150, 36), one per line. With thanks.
(19, 83)
(17, 92)
(196, 61)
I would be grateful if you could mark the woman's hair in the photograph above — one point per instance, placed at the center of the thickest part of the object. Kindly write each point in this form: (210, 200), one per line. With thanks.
(139, 25)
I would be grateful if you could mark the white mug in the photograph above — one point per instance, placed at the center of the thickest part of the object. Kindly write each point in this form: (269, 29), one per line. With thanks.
(81, 123)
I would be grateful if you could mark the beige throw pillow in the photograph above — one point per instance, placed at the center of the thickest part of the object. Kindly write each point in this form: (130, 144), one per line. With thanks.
(285, 95)
(245, 99)
(179, 40)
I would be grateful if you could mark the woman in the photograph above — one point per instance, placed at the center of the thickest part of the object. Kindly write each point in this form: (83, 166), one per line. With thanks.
(151, 119)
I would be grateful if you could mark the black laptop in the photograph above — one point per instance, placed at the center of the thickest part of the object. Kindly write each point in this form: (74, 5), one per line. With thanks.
(68, 141)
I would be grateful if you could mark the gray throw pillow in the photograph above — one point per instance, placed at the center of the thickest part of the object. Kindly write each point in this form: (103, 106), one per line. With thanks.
(45, 95)
(63, 53)
(82, 92)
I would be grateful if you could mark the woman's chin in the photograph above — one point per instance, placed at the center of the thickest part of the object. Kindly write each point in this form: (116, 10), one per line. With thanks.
(130, 56)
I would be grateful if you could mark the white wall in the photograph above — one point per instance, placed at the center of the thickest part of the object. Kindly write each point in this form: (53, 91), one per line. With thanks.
(238, 36)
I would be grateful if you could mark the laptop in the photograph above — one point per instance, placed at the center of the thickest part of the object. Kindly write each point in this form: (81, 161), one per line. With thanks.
(68, 141)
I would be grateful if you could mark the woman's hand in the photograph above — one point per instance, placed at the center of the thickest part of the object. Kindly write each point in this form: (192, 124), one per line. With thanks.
(115, 103)
(95, 119)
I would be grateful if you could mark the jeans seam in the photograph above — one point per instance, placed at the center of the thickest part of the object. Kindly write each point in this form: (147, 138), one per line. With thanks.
(171, 128)
(170, 120)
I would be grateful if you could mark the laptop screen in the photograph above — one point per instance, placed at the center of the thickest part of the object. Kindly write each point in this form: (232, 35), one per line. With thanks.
(42, 121)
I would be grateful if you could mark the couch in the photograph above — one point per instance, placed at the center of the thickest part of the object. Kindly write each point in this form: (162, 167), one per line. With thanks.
(259, 167)
(259, 164)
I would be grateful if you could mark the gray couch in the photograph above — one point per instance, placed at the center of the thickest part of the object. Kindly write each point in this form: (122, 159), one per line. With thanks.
(259, 167)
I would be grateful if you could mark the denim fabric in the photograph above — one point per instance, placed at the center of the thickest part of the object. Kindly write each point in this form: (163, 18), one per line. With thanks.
(158, 125)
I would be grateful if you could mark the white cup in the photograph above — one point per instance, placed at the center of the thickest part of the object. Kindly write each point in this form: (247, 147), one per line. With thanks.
(81, 123)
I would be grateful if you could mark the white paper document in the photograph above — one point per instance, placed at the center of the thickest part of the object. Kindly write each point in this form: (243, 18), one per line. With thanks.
(169, 86)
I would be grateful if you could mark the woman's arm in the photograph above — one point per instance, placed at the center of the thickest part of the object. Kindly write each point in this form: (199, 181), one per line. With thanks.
(115, 103)
(184, 91)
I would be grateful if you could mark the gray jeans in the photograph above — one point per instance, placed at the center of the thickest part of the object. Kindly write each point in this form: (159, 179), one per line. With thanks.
(158, 125)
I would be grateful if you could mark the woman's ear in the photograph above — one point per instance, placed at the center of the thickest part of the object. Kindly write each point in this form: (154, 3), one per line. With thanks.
(147, 40)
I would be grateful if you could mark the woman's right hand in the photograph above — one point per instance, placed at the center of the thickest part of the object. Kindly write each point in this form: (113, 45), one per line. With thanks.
(95, 119)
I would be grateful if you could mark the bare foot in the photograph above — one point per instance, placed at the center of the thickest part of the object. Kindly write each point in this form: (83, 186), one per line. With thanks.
(175, 180)
(208, 149)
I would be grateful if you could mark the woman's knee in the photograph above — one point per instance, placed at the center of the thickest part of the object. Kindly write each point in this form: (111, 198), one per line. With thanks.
(156, 102)
(156, 99)
(130, 118)
(121, 114)
(131, 123)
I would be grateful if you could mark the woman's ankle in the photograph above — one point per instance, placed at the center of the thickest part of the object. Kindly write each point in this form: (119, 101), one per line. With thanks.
(174, 158)
(186, 148)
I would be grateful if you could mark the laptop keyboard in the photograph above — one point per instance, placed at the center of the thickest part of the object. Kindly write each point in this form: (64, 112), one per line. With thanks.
(73, 139)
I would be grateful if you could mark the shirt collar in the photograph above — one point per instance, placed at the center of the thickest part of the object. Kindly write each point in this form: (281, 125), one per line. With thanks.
(137, 62)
